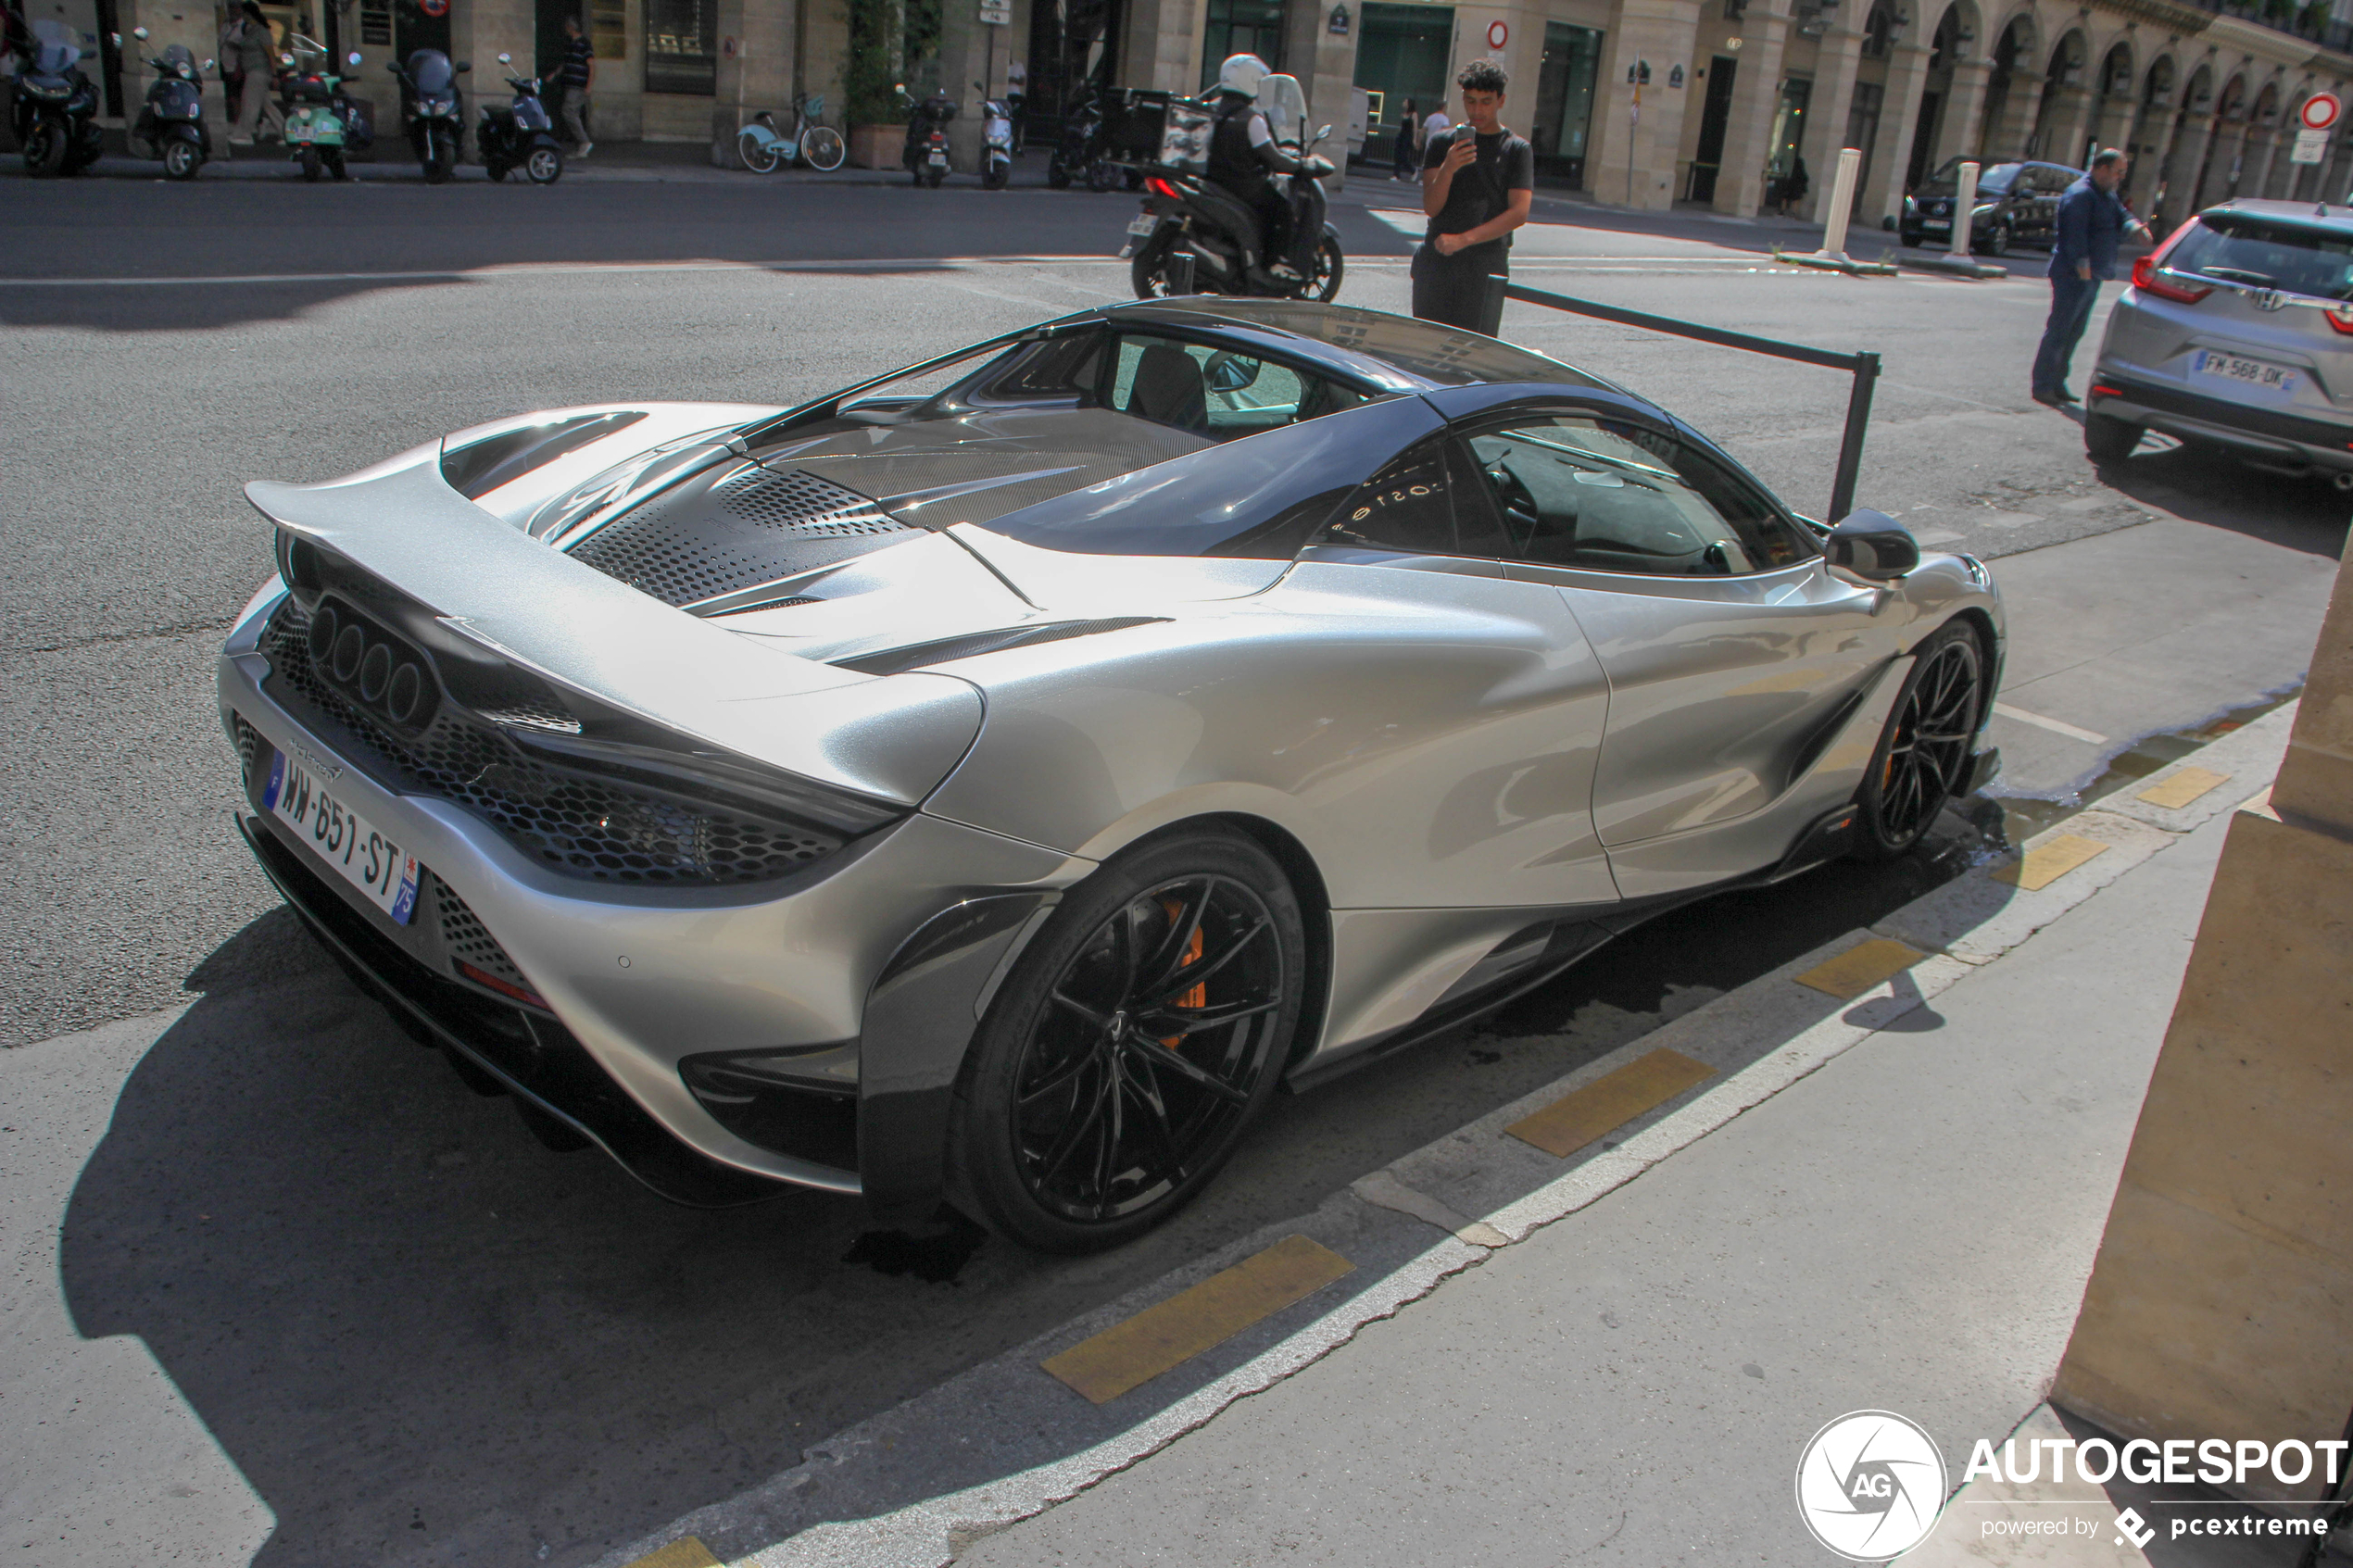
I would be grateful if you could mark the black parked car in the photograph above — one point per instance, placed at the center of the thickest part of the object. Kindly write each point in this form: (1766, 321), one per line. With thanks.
(2016, 204)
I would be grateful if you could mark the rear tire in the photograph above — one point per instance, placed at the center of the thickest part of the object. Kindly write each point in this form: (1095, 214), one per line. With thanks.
(312, 165)
(2108, 439)
(181, 160)
(932, 177)
(760, 155)
(544, 165)
(1923, 756)
(1095, 1102)
(821, 145)
(1148, 268)
(1057, 177)
(44, 149)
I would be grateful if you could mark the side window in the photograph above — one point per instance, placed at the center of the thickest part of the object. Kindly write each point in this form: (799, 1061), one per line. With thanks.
(1425, 503)
(1214, 392)
(1605, 495)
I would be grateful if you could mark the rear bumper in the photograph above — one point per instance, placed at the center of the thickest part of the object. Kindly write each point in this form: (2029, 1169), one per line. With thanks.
(2292, 440)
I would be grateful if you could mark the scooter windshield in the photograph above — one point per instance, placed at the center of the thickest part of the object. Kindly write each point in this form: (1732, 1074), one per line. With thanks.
(53, 58)
(181, 62)
(430, 69)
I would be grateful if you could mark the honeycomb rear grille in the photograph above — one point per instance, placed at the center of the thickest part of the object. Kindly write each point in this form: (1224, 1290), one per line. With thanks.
(469, 941)
(249, 748)
(753, 527)
(576, 822)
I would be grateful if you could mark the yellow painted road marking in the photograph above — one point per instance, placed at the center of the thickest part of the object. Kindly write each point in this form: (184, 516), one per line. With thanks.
(684, 1552)
(1198, 1319)
(2183, 787)
(2045, 863)
(1861, 967)
(1610, 1101)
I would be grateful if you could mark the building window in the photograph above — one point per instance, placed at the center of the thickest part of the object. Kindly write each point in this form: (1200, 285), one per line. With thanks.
(1242, 27)
(1565, 99)
(682, 46)
(1400, 56)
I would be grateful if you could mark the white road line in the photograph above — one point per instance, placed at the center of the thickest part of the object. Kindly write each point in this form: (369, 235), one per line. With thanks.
(2056, 726)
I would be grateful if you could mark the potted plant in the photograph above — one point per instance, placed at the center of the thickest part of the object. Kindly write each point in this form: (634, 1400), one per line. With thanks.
(869, 86)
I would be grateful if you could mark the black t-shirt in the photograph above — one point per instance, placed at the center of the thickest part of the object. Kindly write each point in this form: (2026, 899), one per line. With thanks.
(1482, 190)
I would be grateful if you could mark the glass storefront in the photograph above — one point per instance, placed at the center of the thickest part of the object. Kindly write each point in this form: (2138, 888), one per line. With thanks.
(1565, 100)
(1400, 54)
(1242, 27)
(682, 46)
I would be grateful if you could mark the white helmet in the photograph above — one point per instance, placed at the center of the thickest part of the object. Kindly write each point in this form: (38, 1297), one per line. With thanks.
(1242, 73)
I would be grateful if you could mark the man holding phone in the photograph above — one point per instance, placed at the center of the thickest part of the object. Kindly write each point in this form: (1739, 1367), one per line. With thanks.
(1478, 183)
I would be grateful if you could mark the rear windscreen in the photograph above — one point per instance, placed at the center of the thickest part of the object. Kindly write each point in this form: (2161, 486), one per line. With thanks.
(1993, 181)
(2266, 254)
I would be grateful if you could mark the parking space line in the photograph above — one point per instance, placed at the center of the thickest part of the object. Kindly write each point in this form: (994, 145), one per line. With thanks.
(2056, 726)
(684, 1552)
(1173, 1331)
(1861, 967)
(2183, 787)
(1610, 1101)
(2046, 863)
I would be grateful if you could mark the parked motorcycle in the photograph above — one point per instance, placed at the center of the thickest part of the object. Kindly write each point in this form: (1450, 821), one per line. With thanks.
(1079, 157)
(519, 134)
(996, 143)
(56, 112)
(319, 122)
(1187, 213)
(925, 155)
(170, 125)
(435, 113)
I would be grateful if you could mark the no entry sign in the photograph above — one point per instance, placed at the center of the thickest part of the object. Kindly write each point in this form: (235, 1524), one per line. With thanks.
(2320, 111)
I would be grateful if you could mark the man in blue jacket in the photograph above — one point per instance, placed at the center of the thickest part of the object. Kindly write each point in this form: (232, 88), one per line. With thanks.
(2092, 220)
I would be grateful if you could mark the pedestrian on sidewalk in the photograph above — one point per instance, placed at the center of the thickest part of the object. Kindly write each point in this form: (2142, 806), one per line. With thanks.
(2092, 220)
(1478, 181)
(574, 77)
(249, 42)
(1408, 143)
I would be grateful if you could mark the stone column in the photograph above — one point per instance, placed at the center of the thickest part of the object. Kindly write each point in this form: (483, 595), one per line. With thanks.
(1756, 93)
(1899, 116)
(757, 75)
(479, 32)
(2006, 139)
(1161, 45)
(1326, 66)
(1660, 31)
(1835, 62)
(2112, 127)
(2072, 111)
(2186, 163)
(2221, 1298)
(821, 51)
(1964, 110)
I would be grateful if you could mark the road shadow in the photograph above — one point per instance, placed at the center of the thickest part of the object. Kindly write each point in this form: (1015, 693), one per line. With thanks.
(2214, 488)
(185, 307)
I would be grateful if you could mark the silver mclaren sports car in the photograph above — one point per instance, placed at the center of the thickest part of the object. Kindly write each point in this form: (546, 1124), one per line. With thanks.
(990, 783)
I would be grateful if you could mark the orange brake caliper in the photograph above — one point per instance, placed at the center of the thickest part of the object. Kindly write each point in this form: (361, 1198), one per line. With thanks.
(1198, 995)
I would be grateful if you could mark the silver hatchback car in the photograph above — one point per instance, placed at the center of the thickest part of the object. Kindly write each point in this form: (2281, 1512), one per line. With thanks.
(2238, 333)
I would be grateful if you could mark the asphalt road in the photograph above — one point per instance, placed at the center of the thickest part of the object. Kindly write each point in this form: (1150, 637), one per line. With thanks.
(411, 1334)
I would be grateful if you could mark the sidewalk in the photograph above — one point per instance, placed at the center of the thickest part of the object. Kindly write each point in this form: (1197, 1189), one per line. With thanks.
(1885, 1202)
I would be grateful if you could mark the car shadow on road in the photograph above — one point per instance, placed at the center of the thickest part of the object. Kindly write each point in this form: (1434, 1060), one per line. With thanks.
(210, 305)
(2218, 489)
(420, 1335)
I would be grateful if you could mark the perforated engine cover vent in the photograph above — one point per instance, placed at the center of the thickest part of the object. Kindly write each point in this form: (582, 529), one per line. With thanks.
(742, 529)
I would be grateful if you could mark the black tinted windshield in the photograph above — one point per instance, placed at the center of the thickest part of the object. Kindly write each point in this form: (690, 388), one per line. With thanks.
(2267, 253)
(430, 69)
(1991, 182)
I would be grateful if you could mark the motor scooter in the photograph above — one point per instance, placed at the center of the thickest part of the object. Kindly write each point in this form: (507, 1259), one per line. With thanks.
(434, 110)
(1187, 213)
(318, 121)
(996, 143)
(56, 112)
(925, 155)
(170, 125)
(519, 134)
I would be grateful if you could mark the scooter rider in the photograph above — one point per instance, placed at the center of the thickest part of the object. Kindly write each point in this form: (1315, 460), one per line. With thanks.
(1243, 152)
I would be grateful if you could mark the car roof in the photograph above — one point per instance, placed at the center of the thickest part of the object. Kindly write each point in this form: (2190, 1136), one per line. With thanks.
(2306, 214)
(1398, 353)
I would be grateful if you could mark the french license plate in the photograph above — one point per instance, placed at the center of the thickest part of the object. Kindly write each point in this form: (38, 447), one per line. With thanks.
(2246, 373)
(299, 132)
(1142, 227)
(939, 157)
(342, 837)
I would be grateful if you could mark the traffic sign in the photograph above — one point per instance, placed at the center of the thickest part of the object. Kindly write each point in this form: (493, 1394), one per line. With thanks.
(996, 13)
(2311, 146)
(1498, 35)
(2320, 111)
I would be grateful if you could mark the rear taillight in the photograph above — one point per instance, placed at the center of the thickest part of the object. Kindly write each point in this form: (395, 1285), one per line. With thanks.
(2341, 318)
(2147, 270)
(1162, 188)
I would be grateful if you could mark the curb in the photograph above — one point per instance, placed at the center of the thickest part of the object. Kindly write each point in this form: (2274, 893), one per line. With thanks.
(871, 1496)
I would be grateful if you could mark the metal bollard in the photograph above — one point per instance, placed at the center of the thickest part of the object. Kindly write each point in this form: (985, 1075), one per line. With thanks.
(1178, 270)
(1850, 164)
(1491, 304)
(1964, 204)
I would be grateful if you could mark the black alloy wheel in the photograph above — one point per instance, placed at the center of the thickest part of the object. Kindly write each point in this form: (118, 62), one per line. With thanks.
(544, 165)
(1923, 754)
(1142, 1031)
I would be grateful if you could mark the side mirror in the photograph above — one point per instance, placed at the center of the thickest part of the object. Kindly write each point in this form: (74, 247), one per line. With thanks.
(1873, 547)
(286, 60)
(352, 58)
(209, 65)
(465, 65)
(505, 59)
(1325, 132)
(138, 33)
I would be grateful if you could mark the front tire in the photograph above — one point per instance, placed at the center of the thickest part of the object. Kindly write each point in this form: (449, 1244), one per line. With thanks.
(822, 147)
(44, 148)
(441, 158)
(1330, 267)
(544, 165)
(181, 160)
(1923, 754)
(933, 176)
(1142, 1032)
(2108, 439)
